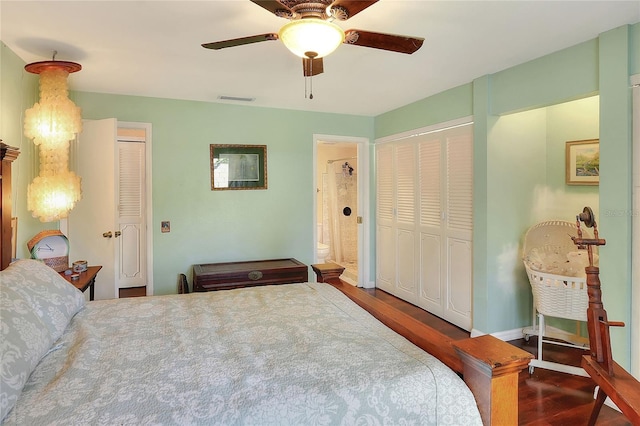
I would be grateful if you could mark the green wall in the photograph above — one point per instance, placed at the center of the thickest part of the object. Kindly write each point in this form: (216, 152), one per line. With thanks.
(506, 201)
(559, 77)
(547, 196)
(19, 91)
(448, 105)
(216, 226)
(616, 181)
(516, 152)
(527, 155)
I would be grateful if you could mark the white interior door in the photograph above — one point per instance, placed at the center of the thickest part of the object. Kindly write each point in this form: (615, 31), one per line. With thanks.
(93, 215)
(108, 226)
(130, 214)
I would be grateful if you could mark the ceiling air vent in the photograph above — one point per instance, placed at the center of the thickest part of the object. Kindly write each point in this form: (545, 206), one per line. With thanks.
(235, 98)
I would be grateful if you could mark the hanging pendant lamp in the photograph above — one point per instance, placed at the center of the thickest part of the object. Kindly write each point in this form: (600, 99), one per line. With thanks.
(52, 123)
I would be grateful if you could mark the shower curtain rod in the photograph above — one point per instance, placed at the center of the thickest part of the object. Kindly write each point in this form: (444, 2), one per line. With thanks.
(340, 159)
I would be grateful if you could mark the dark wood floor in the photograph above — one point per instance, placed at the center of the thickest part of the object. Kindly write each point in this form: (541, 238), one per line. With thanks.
(545, 397)
(132, 292)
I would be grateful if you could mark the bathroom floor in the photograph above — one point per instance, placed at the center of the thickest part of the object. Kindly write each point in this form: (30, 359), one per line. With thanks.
(350, 273)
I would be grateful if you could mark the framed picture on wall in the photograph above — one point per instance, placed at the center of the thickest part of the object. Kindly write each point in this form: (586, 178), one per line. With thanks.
(583, 162)
(238, 167)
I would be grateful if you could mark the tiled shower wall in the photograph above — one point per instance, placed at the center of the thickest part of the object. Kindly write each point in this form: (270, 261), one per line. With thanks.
(347, 192)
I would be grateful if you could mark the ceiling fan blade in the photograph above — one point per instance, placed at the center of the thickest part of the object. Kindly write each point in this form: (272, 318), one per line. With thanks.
(311, 67)
(275, 7)
(216, 45)
(352, 6)
(392, 42)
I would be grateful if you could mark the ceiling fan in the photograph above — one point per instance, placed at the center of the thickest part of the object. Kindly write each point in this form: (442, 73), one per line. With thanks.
(312, 34)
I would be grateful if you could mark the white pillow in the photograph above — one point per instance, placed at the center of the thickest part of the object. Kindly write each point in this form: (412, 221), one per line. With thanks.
(50, 296)
(24, 340)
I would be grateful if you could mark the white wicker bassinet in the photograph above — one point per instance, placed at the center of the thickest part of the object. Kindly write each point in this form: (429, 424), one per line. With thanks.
(558, 295)
(555, 267)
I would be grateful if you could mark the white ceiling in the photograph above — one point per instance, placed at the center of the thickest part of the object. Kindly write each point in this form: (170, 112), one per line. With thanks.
(152, 48)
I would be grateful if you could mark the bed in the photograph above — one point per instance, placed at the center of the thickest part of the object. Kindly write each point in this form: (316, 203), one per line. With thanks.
(286, 354)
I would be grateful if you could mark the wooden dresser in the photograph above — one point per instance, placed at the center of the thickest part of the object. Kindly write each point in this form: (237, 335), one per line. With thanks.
(223, 276)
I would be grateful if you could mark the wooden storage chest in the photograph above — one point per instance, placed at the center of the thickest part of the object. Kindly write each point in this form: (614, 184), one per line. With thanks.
(223, 276)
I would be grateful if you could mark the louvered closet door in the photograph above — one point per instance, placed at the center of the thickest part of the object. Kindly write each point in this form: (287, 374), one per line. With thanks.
(446, 219)
(432, 236)
(130, 196)
(424, 187)
(458, 226)
(446, 190)
(424, 222)
(385, 219)
(406, 235)
(396, 220)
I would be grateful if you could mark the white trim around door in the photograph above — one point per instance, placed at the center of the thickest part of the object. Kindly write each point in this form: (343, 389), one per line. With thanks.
(148, 196)
(364, 245)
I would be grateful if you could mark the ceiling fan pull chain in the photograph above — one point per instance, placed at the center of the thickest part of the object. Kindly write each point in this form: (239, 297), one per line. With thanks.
(311, 56)
(308, 84)
(311, 80)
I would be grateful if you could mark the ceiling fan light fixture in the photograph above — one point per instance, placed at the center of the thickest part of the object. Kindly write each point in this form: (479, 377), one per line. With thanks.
(311, 35)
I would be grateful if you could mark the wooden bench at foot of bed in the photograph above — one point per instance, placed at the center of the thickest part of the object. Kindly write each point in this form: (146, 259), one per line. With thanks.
(489, 366)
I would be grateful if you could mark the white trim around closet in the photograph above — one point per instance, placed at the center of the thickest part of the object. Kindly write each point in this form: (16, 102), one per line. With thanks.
(464, 121)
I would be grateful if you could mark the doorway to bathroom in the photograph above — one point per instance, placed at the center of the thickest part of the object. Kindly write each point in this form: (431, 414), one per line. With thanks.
(340, 213)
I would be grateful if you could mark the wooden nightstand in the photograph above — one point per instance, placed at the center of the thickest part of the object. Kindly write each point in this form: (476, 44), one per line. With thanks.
(327, 271)
(87, 280)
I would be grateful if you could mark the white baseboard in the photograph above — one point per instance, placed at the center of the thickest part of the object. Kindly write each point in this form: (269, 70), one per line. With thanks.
(369, 284)
(519, 333)
(506, 335)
